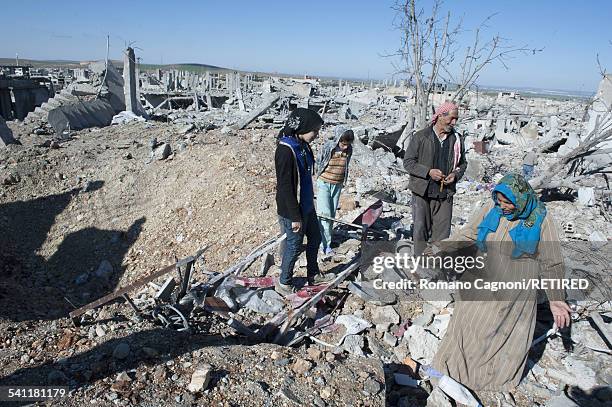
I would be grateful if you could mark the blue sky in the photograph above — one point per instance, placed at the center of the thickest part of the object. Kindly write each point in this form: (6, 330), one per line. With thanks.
(334, 38)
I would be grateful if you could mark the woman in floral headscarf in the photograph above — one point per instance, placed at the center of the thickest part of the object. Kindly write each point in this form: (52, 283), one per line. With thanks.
(488, 339)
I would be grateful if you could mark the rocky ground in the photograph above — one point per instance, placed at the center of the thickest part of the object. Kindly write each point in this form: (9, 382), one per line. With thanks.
(83, 216)
(67, 208)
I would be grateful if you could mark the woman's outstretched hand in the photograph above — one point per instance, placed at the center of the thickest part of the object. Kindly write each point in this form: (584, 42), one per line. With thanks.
(561, 313)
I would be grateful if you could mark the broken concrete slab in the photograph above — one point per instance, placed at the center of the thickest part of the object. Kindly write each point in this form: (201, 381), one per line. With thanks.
(200, 378)
(384, 317)
(586, 196)
(574, 372)
(421, 343)
(262, 302)
(80, 116)
(440, 324)
(366, 291)
(354, 344)
(352, 324)
(6, 135)
(457, 392)
(268, 101)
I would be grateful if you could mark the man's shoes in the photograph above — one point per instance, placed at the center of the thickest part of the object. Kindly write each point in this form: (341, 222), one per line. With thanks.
(321, 278)
(284, 289)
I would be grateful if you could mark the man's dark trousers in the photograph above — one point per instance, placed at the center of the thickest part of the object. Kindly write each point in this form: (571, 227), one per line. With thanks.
(431, 219)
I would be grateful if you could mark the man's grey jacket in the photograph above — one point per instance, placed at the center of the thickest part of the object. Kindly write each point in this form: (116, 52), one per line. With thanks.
(419, 159)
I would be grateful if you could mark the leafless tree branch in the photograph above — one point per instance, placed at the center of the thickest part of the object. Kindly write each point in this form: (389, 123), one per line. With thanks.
(428, 52)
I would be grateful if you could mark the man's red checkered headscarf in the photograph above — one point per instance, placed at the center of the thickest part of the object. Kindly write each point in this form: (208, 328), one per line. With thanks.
(443, 108)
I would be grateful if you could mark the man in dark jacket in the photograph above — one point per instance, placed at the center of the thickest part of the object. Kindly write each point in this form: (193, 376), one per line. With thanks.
(435, 159)
(294, 162)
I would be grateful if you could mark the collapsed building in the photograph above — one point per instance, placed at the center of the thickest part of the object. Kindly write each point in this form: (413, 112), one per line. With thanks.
(152, 121)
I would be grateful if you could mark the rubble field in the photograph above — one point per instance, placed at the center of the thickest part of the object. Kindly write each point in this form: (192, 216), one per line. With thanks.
(96, 211)
(154, 200)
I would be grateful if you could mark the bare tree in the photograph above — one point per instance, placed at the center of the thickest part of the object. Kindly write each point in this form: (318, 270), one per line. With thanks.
(582, 162)
(429, 53)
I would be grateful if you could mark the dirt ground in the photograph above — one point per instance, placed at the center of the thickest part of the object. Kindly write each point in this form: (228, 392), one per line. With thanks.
(98, 197)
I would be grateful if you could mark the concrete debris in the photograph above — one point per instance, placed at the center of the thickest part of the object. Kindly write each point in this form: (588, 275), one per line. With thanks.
(437, 398)
(597, 239)
(217, 129)
(100, 332)
(265, 105)
(384, 317)
(200, 378)
(457, 392)
(421, 343)
(352, 324)
(390, 339)
(161, 152)
(440, 324)
(186, 129)
(263, 302)
(574, 372)
(6, 135)
(126, 117)
(426, 317)
(366, 291)
(354, 345)
(586, 196)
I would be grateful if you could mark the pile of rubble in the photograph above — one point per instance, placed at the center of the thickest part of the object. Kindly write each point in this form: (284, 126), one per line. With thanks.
(91, 210)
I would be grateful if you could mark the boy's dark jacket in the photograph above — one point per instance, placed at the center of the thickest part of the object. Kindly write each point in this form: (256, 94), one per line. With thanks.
(292, 199)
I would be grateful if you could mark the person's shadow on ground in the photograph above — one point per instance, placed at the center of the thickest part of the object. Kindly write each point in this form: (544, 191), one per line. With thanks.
(86, 265)
(151, 347)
